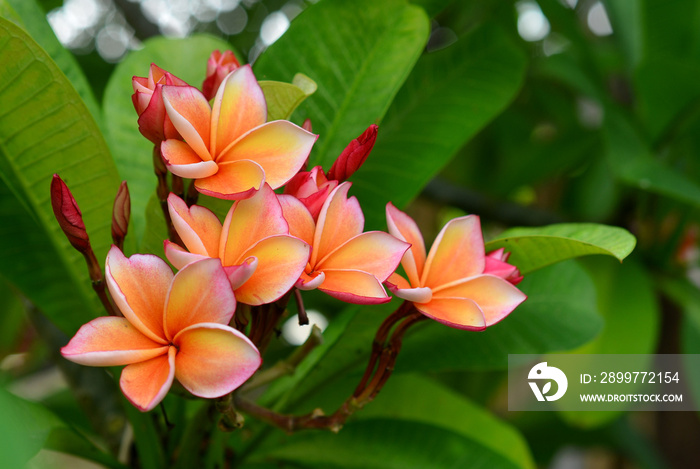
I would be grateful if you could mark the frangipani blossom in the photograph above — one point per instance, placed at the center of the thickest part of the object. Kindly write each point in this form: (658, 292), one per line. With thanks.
(450, 285)
(228, 148)
(261, 259)
(345, 262)
(174, 326)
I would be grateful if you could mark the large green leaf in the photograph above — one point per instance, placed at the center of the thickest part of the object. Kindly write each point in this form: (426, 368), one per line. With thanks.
(560, 313)
(450, 95)
(187, 59)
(385, 444)
(534, 248)
(45, 128)
(359, 53)
(33, 19)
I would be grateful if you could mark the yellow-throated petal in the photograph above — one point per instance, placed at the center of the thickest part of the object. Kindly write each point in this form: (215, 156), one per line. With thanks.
(459, 313)
(139, 286)
(145, 384)
(279, 147)
(197, 226)
(301, 223)
(182, 161)
(200, 292)
(354, 286)
(214, 359)
(239, 106)
(340, 220)
(281, 260)
(495, 296)
(233, 181)
(374, 252)
(190, 114)
(457, 253)
(111, 341)
(248, 221)
(403, 227)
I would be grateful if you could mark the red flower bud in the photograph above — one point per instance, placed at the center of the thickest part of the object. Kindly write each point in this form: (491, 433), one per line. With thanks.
(306, 125)
(496, 264)
(68, 214)
(120, 214)
(354, 155)
(218, 66)
(311, 188)
(154, 123)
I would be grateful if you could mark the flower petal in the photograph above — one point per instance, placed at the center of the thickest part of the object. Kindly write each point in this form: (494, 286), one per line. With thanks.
(457, 253)
(239, 106)
(279, 147)
(110, 341)
(182, 161)
(239, 274)
(301, 223)
(374, 252)
(190, 113)
(178, 256)
(139, 286)
(248, 222)
(354, 286)
(496, 297)
(214, 359)
(233, 181)
(403, 227)
(308, 282)
(281, 260)
(145, 384)
(460, 313)
(200, 292)
(197, 226)
(340, 220)
(400, 287)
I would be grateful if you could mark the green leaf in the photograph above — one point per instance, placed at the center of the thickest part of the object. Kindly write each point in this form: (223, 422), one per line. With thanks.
(12, 321)
(627, 302)
(534, 248)
(44, 129)
(33, 19)
(185, 58)
(560, 313)
(385, 444)
(450, 95)
(359, 53)
(419, 399)
(283, 98)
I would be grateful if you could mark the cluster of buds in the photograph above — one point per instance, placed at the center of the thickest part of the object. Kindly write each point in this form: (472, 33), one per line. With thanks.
(268, 249)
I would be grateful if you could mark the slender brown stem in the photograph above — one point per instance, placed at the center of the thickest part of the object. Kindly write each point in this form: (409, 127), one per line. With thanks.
(178, 186)
(162, 191)
(98, 283)
(301, 311)
(192, 194)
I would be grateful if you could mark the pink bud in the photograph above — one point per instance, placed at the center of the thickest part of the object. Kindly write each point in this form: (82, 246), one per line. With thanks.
(311, 188)
(218, 66)
(354, 155)
(68, 215)
(154, 123)
(306, 125)
(120, 214)
(496, 264)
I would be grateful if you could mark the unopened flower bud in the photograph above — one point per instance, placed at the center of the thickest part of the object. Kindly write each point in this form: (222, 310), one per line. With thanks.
(354, 155)
(496, 264)
(311, 188)
(120, 214)
(68, 215)
(154, 123)
(306, 125)
(218, 66)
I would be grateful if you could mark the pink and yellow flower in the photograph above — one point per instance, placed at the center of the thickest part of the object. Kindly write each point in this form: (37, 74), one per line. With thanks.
(261, 259)
(345, 262)
(154, 123)
(450, 285)
(229, 149)
(174, 326)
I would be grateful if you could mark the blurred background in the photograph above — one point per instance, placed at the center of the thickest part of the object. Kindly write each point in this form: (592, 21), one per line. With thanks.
(604, 127)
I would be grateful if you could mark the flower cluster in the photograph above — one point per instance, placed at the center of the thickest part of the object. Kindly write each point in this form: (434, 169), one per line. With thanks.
(269, 246)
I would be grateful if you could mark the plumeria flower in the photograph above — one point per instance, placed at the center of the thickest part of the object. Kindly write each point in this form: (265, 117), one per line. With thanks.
(345, 262)
(174, 326)
(229, 149)
(154, 123)
(261, 259)
(451, 285)
(218, 66)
